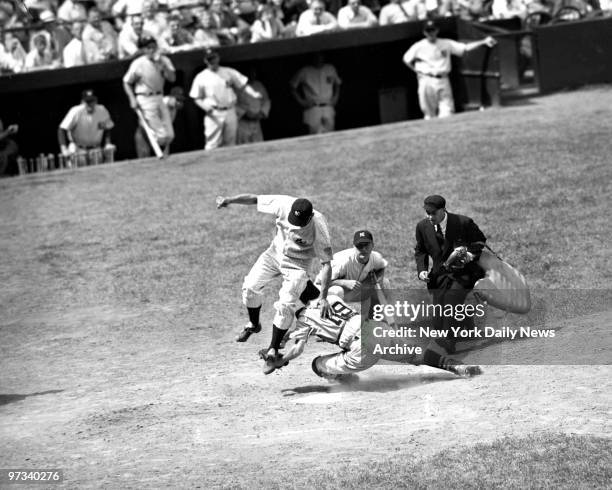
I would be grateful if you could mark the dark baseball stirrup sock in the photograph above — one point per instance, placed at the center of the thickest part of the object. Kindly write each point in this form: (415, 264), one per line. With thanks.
(277, 337)
(254, 315)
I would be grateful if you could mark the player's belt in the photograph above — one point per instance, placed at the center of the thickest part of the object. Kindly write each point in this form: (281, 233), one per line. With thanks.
(434, 76)
(148, 94)
(221, 108)
(322, 105)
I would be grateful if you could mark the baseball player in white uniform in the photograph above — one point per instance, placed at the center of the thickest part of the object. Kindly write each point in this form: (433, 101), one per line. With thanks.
(343, 327)
(144, 85)
(302, 237)
(430, 59)
(85, 126)
(214, 91)
(352, 269)
(316, 87)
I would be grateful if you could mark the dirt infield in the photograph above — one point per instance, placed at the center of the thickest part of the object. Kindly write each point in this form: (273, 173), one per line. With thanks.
(120, 300)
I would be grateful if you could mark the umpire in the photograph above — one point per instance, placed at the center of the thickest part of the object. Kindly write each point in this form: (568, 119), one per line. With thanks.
(438, 236)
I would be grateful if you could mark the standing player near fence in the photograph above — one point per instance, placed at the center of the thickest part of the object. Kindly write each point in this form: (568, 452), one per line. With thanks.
(430, 59)
(85, 127)
(144, 85)
(302, 237)
(214, 91)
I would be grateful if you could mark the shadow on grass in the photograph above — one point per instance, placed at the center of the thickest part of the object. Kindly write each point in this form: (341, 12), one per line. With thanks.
(5, 399)
(373, 383)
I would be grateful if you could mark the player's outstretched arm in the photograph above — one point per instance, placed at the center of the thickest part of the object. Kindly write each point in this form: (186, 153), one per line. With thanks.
(223, 202)
(294, 351)
(325, 274)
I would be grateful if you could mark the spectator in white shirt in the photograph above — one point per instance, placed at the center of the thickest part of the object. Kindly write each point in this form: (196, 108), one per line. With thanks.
(99, 37)
(75, 53)
(315, 20)
(354, 15)
(155, 23)
(175, 38)
(267, 26)
(395, 12)
(130, 34)
(71, 10)
(205, 34)
(40, 57)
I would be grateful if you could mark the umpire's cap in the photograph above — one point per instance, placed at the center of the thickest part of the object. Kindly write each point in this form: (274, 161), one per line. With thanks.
(146, 41)
(436, 201)
(301, 212)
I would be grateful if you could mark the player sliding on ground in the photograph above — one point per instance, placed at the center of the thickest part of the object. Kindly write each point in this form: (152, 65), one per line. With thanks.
(302, 239)
(343, 327)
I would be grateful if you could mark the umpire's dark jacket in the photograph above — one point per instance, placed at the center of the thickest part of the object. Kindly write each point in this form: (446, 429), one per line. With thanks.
(460, 231)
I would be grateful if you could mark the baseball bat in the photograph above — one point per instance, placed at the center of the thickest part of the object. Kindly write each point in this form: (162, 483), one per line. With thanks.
(150, 135)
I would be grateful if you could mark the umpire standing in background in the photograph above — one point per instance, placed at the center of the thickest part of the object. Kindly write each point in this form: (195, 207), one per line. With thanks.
(438, 236)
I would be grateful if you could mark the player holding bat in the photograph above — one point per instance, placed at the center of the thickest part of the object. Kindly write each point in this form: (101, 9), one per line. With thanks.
(144, 85)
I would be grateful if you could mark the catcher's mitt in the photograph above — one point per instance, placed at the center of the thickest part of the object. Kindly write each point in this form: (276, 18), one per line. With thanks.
(272, 363)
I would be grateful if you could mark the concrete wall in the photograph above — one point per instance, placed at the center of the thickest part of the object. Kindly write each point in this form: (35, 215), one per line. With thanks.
(574, 54)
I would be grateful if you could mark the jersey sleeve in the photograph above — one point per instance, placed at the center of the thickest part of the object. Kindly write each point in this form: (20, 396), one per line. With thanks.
(131, 76)
(239, 81)
(456, 48)
(302, 330)
(108, 122)
(69, 120)
(338, 264)
(322, 244)
(333, 73)
(378, 261)
(297, 79)
(411, 54)
(278, 205)
(197, 90)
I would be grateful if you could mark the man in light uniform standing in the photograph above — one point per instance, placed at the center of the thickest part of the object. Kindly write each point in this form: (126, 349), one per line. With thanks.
(316, 87)
(86, 126)
(214, 91)
(302, 237)
(430, 59)
(144, 85)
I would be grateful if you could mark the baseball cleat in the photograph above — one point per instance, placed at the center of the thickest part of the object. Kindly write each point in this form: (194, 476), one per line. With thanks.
(273, 362)
(246, 332)
(467, 370)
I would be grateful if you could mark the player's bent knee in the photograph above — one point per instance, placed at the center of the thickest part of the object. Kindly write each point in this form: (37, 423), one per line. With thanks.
(251, 298)
(284, 315)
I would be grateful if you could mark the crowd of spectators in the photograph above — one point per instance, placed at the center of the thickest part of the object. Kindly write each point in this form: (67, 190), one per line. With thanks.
(47, 34)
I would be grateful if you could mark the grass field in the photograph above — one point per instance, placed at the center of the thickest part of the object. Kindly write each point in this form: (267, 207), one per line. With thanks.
(120, 299)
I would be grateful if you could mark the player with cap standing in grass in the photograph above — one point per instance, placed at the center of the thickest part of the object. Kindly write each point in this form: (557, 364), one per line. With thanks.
(144, 85)
(214, 91)
(430, 59)
(302, 237)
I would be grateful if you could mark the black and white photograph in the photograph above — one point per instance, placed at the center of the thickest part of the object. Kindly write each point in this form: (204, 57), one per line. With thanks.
(305, 244)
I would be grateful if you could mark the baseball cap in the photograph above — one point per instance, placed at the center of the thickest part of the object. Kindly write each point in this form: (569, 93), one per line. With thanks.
(436, 201)
(210, 53)
(301, 212)
(430, 25)
(88, 96)
(145, 41)
(362, 236)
